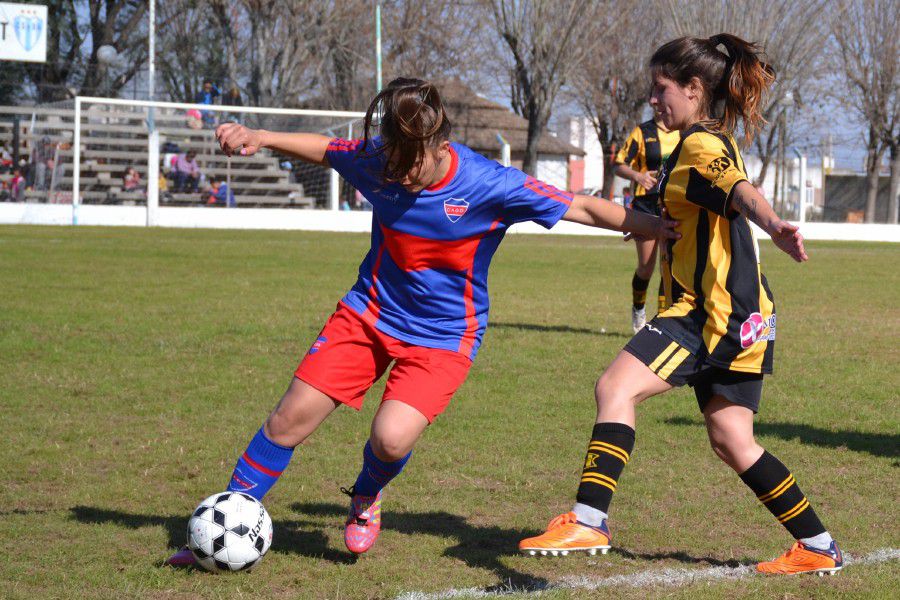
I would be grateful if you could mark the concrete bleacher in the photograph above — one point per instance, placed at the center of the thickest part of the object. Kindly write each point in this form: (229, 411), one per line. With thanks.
(114, 138)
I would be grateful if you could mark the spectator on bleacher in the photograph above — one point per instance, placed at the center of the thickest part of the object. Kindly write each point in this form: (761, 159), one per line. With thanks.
(194, 119)
(220, 194)
(187, 172)
(6, 160)
(131, 180)
(41, 159)
(207, 95)
(17, 186)
(163, 185)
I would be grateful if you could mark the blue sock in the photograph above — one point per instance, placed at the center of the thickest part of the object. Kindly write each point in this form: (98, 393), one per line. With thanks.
(376, 473)
(259, 466)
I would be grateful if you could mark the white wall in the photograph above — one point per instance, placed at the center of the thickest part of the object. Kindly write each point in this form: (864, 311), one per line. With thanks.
(553, 169)
(582, 134)
(327, 220)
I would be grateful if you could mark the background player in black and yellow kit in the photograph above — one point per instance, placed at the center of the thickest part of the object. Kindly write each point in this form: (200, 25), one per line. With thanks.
(718, 334)
(639, 161)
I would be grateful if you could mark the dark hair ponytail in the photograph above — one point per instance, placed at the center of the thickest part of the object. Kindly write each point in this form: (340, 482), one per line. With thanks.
(412, 119)
(734, 81)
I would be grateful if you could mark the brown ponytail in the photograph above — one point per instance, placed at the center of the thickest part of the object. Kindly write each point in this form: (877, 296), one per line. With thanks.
(412, 120)
(734, 81)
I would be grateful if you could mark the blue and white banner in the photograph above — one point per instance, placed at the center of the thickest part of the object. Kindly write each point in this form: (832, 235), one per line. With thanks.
(23, 32)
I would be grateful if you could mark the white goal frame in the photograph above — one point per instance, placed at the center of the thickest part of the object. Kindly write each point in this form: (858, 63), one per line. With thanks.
(153, 143)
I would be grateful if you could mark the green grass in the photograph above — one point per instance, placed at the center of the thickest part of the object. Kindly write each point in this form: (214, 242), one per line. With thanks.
(137, 363)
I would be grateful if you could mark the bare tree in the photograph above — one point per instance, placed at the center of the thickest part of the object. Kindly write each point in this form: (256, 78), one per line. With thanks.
(792, 34)
(866, 40)
(613, 85)
(188, 49)
(449, 46)
(227, 18)
(74, 26)
(547, 42)
(344, 44)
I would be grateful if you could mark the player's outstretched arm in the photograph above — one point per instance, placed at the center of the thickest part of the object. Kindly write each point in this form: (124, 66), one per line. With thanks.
(750, 203)
(309, 147)
(598, 212)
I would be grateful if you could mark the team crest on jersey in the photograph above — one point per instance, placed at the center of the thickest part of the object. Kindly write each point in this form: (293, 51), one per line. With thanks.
(756, 329)
(717, 167)
(455, 208)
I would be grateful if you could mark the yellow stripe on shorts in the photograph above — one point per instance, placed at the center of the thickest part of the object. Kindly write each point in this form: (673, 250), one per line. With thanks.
(673, 363)
(663, 356)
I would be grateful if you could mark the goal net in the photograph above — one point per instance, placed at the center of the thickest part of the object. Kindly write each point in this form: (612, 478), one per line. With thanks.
(130, 152)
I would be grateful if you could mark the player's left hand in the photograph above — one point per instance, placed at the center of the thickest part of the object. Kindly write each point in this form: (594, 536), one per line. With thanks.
(665, 230)
(787, 237)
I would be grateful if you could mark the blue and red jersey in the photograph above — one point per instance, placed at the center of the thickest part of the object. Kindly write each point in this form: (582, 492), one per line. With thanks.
(424, 281)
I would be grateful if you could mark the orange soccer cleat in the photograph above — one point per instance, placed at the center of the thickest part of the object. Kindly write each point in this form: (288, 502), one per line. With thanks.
(803, 559)
(566, 534)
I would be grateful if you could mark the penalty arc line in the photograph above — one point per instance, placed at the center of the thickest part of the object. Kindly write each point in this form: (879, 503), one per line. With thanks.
(655, 577)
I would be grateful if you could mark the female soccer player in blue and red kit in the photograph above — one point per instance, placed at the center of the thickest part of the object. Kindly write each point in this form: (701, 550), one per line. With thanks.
(420, 300)
(718, 333)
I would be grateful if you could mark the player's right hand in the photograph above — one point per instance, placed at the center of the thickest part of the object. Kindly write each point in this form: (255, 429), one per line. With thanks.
(647, 180)
(788, 239)
(237, 138)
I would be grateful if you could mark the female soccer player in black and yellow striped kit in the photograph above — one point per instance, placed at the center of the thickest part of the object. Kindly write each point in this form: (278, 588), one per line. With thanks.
(718, 334)
(640, 159)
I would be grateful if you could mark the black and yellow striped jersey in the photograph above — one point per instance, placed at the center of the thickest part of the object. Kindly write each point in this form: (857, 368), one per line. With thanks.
(647, 149)
(720, 305)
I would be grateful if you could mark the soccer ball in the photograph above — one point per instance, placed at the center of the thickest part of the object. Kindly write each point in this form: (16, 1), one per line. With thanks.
(229, 531)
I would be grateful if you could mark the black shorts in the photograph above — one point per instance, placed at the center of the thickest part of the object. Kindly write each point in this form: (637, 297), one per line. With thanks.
(677, 366)
(648, 203)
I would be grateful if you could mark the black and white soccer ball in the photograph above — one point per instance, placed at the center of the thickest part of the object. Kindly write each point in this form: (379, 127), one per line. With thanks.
(229, 531)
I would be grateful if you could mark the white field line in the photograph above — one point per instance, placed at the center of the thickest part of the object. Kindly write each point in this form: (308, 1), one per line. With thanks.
(651, 578)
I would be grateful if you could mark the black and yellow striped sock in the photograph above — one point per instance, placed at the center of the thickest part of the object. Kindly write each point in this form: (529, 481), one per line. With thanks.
(609, 450)
(639, 291)
(776, 488)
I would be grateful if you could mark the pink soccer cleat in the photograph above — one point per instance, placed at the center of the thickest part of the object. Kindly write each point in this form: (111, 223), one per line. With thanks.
(363, 523)
(182, 558)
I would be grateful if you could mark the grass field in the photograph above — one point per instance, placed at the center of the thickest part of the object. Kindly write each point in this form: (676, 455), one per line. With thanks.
(137, 363)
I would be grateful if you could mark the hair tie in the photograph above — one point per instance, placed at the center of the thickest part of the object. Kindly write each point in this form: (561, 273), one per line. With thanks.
(721, 40)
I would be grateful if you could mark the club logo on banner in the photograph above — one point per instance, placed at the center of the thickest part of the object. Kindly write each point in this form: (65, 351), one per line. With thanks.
(455, 208)
(23, 32)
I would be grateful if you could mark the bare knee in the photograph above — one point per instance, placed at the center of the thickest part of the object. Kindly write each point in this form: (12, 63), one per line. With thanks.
(298, 413)
(738, 453)
(615, 401)
(645, 271)
(280, 427)
(610, 392)
(389, 446)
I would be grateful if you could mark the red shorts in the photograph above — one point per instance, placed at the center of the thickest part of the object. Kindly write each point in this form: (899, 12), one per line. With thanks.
(350, 355)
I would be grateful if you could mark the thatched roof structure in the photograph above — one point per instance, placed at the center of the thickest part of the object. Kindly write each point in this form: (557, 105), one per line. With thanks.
(476, 122)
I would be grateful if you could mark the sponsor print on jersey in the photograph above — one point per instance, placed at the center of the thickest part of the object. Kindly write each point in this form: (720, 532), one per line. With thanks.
(756, 329)
(455, 208)
(317, 345)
